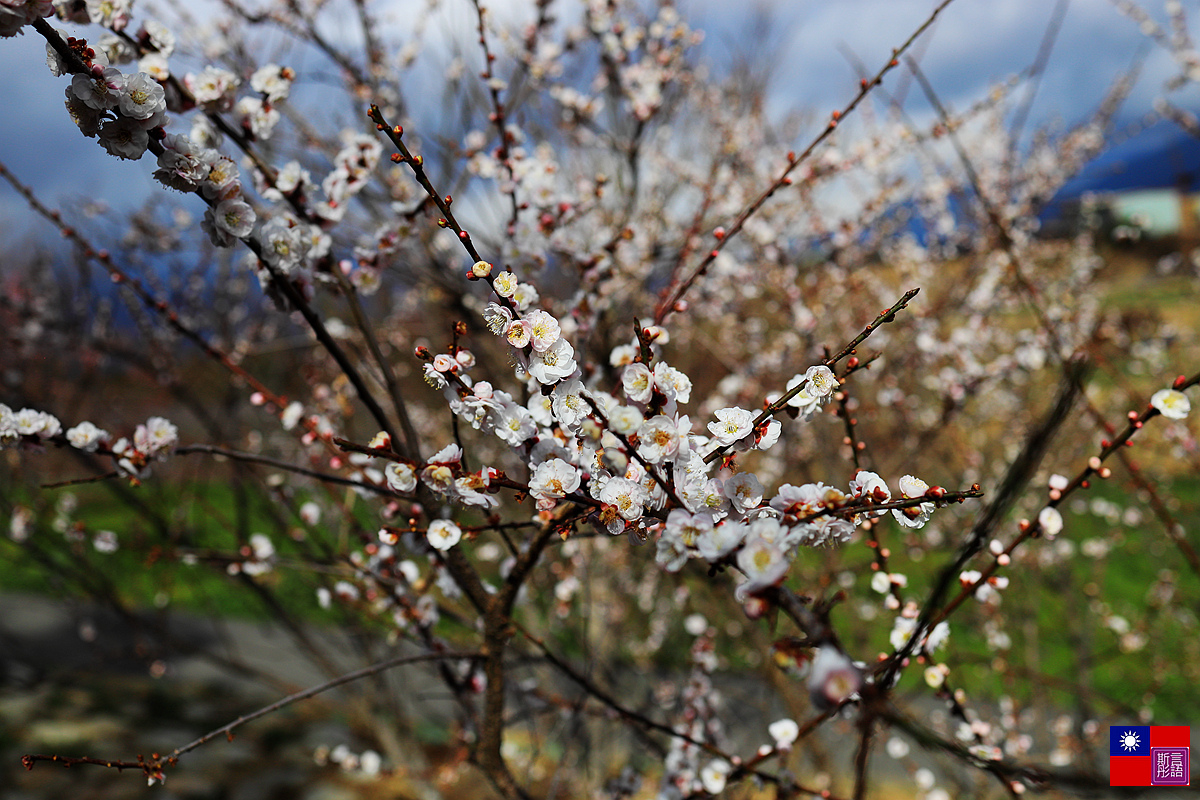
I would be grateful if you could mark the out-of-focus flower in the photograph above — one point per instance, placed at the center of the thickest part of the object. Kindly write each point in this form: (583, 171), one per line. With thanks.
(714, 774)
(443, 534)
(784, 732)
(833, 678)
(1051, 521)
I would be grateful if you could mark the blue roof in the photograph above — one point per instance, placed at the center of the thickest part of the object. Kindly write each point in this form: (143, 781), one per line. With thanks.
(1161, 157)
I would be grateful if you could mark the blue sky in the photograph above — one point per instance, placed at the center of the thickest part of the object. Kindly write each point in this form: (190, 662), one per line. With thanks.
(975, 44)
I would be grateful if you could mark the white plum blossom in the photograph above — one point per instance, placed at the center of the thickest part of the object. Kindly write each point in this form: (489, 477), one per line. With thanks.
(291, 415)
(181, 163)
(141, 97)
(514, 424)
(556, 363)
(525, 295)
(714, 774)
(159, 37)
(881, 582)
(917, 516)
(156, 436)
(99, 92)
(16, 14)
(257, 118)
(30, 422)
(811, 500)
(763, 563)
(869, 486)
(505, 283)
(1171, 403)
(519, 333)
(673, 383)
(832, 678)
(658, 439)
(272, 81)
(541, 407)
(234, 216)
(433, 377)
(568, 405)
(262, 552)
(283, 243)
(310, 513)
(637, 382)
(622, 355)
(744, 491)
(627, 496)
(821, 382)
(935, 676)
(221, 182)
(497, 318)
(732, 424)
(156, 66)
(720, 540)
(472, 489)
(1051, 521)
(86, 436)
(902, 630)
(767, 434)
(114, 14)
(213, 88)
(124, 138)
(784, 733)
(686, 527)
(443, 534)
(105, 542)
(544, 330)
(88, 119)
(553, 479)
(400, 476)
(290, 178)
(938, 636)
(625, 420)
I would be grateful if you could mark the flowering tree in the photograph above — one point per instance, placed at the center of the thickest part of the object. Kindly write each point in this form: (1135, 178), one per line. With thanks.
(671, 390)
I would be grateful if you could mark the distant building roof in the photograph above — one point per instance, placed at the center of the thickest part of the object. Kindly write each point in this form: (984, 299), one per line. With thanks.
(1161, 157)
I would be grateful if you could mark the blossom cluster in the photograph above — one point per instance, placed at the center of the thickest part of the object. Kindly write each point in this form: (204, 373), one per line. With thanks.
(153, 440)
(16, 14)
(638, 460)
